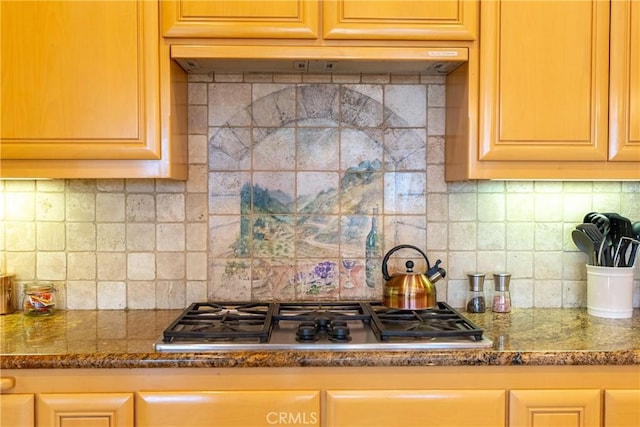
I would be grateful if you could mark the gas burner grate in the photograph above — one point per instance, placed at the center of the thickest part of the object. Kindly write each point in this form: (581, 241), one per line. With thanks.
(329, 310)
(443, 321)
(222, 321)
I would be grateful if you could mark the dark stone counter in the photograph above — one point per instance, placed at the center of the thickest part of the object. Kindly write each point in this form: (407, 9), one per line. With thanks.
(124, 339)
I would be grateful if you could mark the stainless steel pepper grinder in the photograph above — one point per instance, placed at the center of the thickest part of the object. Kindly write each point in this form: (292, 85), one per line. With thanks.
(475, 297)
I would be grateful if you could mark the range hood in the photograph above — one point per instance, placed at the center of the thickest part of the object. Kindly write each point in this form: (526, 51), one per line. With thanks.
(318, 59)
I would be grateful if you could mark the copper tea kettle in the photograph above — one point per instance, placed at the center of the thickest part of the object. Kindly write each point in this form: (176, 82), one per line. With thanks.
(411, 290)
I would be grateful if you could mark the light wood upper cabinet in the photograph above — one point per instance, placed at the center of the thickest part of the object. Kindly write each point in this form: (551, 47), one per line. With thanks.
(624, 111)
(240, 19)
(86, 92)
(557, 94)
(544, 73)
(341, 19)
(400, 20)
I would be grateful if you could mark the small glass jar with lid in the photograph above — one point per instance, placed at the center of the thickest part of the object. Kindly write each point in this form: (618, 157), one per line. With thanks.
(39, 298)
(475, 297)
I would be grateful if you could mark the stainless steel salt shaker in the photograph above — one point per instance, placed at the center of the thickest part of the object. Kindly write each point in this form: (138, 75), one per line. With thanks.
(502, 295)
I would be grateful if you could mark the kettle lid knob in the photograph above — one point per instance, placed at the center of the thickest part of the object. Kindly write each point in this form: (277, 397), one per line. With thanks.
(409, 264)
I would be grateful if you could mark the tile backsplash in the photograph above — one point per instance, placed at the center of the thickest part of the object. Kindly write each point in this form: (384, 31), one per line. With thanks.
(287, 175)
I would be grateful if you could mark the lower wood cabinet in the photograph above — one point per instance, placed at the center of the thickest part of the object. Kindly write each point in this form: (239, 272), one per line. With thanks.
(228, 408)
(554, 408)
(495, 396)
(85, 410)
(622, 408)
(17, 410)
(408, 408)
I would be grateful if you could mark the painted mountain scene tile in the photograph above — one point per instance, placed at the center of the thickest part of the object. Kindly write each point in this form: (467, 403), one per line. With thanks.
(295, 193)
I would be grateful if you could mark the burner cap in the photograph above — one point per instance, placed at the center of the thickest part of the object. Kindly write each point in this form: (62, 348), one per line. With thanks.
(322, 321)
(306, 332)
(339, 332)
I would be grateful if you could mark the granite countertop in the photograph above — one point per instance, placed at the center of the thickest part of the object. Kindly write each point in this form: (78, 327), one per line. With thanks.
(124, 339)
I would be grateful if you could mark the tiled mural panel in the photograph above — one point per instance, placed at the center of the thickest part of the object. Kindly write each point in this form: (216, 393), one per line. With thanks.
(298, 173)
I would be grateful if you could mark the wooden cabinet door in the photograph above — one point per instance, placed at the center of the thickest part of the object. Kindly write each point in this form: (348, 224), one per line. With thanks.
(624, 111)
(80, 80)
(240, 19)
(554, 408)
(85, 410)
(544, 80)
(622, 408)
(17, 410)
(400, 20)
(416, 408)
(228, 408)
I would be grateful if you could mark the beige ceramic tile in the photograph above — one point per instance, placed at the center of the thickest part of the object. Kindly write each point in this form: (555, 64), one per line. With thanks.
(196, 237)
(51, 265)
(196, 291)
(81, 236)
(140, 207)
(170, 294)
(112, 296)
(81, 295)
(141, 295)
(141, 266)
(110, 207)
(20, 236)
(19, 206)
(141, 237)
(81, 266)
(196, 266)
(111, 237)
(170, 265)
(548, 293)
(111, 266)
(49, 207)
(80, 206)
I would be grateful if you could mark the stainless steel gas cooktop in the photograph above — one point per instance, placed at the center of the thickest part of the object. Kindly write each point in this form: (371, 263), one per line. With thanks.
(344, 325)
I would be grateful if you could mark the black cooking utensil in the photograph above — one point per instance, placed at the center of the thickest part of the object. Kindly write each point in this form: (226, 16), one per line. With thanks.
(619, 227)
(635, 229)
(605, 253)
(601, 220)
(598, 239)
(585, 244)
(626, 229)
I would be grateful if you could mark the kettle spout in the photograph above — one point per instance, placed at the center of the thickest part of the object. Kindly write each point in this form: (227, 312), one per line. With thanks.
(436, 273)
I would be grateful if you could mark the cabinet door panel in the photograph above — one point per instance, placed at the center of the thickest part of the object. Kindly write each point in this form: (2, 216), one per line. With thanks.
(79, 80)
(372, 408)
(240, 19)
(17, 410)
(554, 408)
(544, 80)
(622, 408)
(624, 124)
(228, 408)
(85, 409)
(400, 20)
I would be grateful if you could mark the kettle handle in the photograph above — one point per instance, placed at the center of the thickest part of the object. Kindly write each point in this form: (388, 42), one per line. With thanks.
(385, 271)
